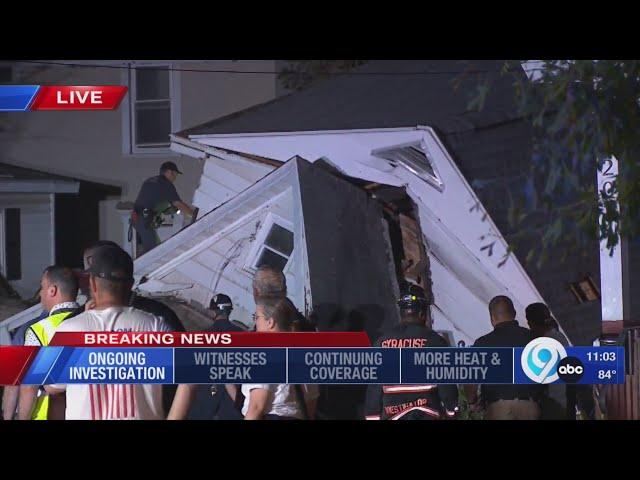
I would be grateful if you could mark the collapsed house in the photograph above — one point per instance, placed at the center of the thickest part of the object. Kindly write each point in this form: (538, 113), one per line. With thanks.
(346, 234)
(352, 187)
(348, 218)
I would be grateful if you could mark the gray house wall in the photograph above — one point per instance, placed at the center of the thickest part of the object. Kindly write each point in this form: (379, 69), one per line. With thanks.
(36, 238)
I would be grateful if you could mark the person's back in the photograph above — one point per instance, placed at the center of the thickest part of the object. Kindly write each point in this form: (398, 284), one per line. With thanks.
(508, 334)
(554, 403)
(411, 402)
(214, 402)
(560, 392)
(110, 279)
(158, 309)
(516, 402)
(114, 402)
(163, 312)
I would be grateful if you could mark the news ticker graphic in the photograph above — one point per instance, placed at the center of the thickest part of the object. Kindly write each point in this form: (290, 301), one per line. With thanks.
(307, 358)
(22, 98)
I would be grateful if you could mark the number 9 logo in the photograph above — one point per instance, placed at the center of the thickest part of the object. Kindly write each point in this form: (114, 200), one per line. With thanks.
(540, 359)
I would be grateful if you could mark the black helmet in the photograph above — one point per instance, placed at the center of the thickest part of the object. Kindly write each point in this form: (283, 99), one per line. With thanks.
(413, 298)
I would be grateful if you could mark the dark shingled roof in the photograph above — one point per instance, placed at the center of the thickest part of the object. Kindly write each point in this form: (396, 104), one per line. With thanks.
(393, 93)
(488, 144)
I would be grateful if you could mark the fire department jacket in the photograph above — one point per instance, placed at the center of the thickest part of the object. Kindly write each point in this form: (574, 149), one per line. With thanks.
(411, 402)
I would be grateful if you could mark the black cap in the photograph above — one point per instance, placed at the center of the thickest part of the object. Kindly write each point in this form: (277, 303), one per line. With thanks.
(169, 166)
(111, 263)
(221, 302)
(413, 297)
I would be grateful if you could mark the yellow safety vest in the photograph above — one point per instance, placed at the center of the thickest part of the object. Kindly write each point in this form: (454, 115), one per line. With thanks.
(44, 330)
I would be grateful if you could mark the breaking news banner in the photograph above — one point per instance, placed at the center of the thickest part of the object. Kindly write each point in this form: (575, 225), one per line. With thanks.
(296, 358)
(22, 98)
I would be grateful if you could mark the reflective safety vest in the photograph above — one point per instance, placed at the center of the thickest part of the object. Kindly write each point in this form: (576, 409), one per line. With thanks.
(44, 330)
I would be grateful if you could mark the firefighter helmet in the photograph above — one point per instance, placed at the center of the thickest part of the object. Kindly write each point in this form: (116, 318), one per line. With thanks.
(413, 298)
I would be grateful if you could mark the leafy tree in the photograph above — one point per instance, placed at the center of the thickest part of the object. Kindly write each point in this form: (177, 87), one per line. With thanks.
(582, 113)
(298, 74)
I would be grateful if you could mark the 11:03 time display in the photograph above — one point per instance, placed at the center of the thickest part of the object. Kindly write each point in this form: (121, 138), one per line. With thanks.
(601, 356)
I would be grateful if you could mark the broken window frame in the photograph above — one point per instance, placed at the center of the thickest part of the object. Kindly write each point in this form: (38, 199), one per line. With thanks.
(260, 242)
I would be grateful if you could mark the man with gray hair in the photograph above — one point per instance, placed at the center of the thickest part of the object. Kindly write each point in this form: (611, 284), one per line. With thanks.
(269, 282)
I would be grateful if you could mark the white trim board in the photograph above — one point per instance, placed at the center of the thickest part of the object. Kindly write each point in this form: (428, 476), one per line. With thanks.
(300, 132)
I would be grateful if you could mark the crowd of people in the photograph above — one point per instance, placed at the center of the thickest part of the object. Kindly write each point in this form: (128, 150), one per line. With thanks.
(112, 306)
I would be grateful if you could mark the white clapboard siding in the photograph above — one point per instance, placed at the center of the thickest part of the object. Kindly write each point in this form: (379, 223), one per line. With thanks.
(462, 309)
(205, 269)
(221, 180)
(217, 188)
(238, 171)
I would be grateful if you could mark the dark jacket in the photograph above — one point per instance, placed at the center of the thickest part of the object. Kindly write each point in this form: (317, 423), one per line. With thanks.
(410, 402)
(507, 334)
(212, 402)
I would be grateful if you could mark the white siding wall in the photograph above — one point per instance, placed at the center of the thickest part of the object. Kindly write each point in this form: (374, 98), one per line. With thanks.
(469, 277)
(222, 180)
(36, 238)
(209, 274)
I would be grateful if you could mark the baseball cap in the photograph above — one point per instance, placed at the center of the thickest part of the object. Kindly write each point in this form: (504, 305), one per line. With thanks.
(111, 263)
(169, 166)
(220, 301)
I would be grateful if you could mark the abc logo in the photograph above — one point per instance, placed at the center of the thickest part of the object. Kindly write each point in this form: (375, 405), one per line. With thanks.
(570, 369)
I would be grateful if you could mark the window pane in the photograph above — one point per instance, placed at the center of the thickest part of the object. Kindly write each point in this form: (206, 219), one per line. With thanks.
(152, 83)
(153, 123)
(271, 258)
(12, 244)
(280, 239)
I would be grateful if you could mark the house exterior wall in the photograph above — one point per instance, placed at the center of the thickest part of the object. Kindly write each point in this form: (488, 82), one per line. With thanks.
(222, 267)
(36, 238)
(89, 145)
(221, 180)
(454, 231)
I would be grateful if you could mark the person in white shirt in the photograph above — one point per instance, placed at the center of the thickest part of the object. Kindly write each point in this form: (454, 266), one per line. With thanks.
(110, 281)
(283, 401)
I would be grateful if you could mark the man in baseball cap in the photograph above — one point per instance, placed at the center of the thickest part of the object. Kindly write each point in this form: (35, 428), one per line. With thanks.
(113, 264)
(221, 308)
(218, 402)
(157, 195)
(110, 272)
(170, 166)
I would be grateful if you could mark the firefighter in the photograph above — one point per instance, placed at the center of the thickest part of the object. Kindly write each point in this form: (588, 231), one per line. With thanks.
(412, 402)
